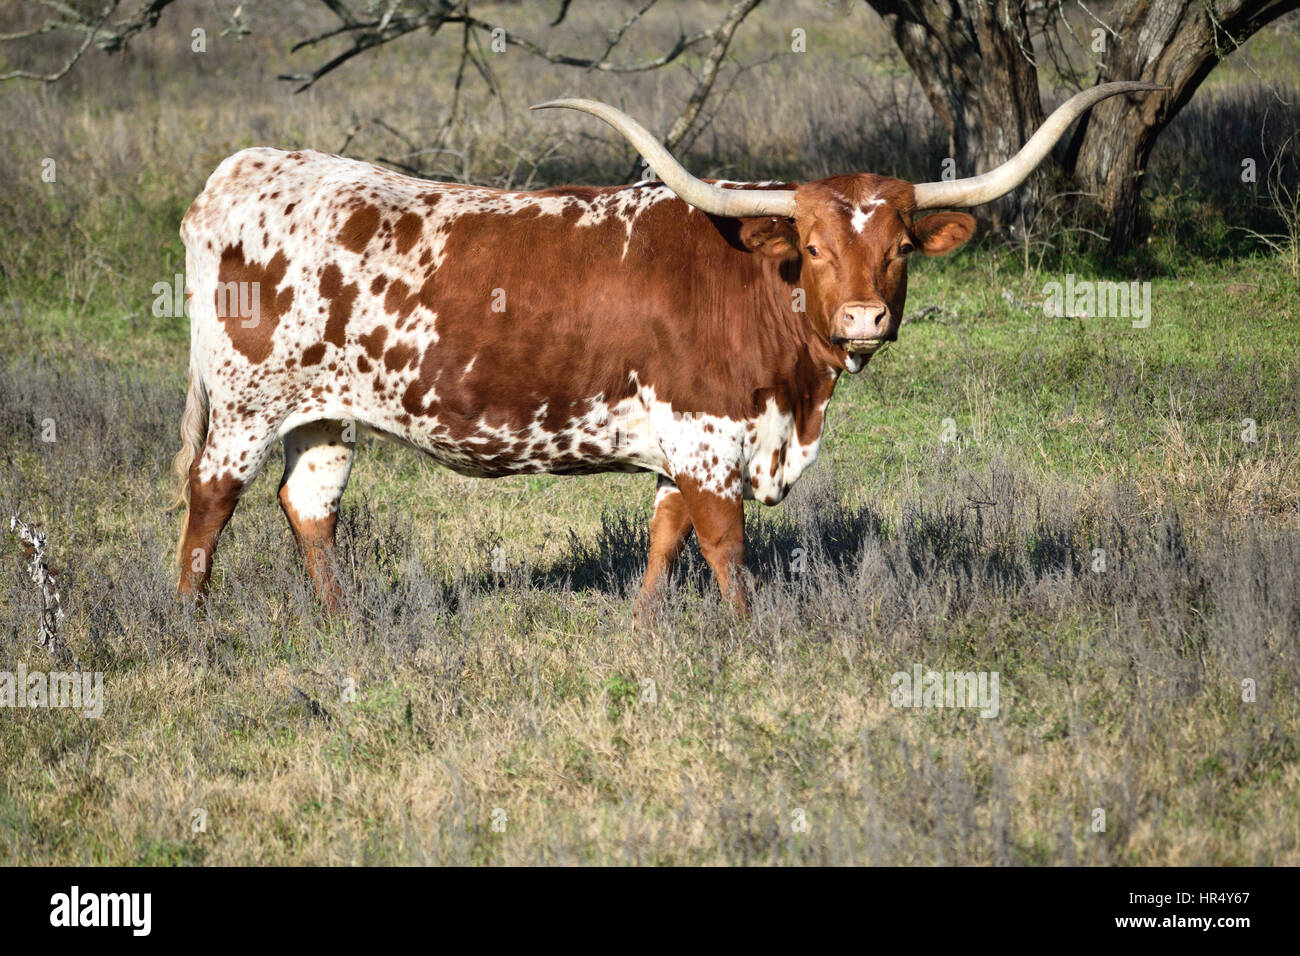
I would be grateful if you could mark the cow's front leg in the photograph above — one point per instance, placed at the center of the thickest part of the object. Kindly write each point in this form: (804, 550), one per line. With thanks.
(317, 462)
(719, 521)
(668, 530)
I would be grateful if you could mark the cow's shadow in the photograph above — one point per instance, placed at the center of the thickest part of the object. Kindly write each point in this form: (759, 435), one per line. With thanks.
(780, 545)
(817, 535)
(815, 527)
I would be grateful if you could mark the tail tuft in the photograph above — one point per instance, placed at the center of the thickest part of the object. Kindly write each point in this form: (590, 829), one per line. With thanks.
(194, 431)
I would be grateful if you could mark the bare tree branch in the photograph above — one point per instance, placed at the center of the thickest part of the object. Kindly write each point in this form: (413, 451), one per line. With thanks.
(95, 31)
(377, 27)
(682, 44)
(722, 34)
(564, 12)
(616, 36)
(49, 26)
(368, 34)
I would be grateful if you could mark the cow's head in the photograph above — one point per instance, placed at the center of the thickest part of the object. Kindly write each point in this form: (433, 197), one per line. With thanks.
(852, 235)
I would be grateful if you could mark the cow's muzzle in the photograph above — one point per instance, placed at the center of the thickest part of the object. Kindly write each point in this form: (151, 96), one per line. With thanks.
(863, 327)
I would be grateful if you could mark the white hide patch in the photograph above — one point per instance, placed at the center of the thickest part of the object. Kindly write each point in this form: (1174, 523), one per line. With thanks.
(863, 213)
(317, 463)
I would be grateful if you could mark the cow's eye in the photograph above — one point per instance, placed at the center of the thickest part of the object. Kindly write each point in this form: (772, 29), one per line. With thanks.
(906, 249)
(814, 251)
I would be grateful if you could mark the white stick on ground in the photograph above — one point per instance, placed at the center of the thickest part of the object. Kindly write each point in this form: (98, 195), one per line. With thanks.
(51, 608)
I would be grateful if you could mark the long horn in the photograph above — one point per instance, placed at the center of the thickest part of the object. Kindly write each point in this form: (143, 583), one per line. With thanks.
(998, 182)
(703, 196)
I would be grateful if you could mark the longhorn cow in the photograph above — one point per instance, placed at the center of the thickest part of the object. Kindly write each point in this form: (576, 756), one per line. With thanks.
(694, 330)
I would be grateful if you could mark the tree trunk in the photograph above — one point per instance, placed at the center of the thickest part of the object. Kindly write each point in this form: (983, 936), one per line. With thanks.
(1172, 42)
(974, 60)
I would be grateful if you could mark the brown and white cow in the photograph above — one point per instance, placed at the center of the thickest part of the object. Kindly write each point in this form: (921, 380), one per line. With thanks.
(690, 329)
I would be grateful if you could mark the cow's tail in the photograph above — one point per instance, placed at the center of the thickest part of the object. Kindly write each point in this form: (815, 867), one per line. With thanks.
(194, 431)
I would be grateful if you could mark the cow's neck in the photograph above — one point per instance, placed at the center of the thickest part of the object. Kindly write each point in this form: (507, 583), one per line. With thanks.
(802, 371)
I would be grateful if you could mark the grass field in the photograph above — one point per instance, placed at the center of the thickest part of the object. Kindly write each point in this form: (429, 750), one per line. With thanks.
(491, 700)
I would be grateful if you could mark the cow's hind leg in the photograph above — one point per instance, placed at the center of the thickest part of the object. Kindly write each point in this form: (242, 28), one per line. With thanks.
(212, 502)
(317, 463)
(719, 521)
(217, 477)
(669, 529)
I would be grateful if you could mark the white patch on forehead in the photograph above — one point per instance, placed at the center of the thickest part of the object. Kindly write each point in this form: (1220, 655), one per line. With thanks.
(863, 213)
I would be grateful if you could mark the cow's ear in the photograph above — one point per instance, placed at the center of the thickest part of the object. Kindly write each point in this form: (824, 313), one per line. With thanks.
(942, 232)
(771, 236)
